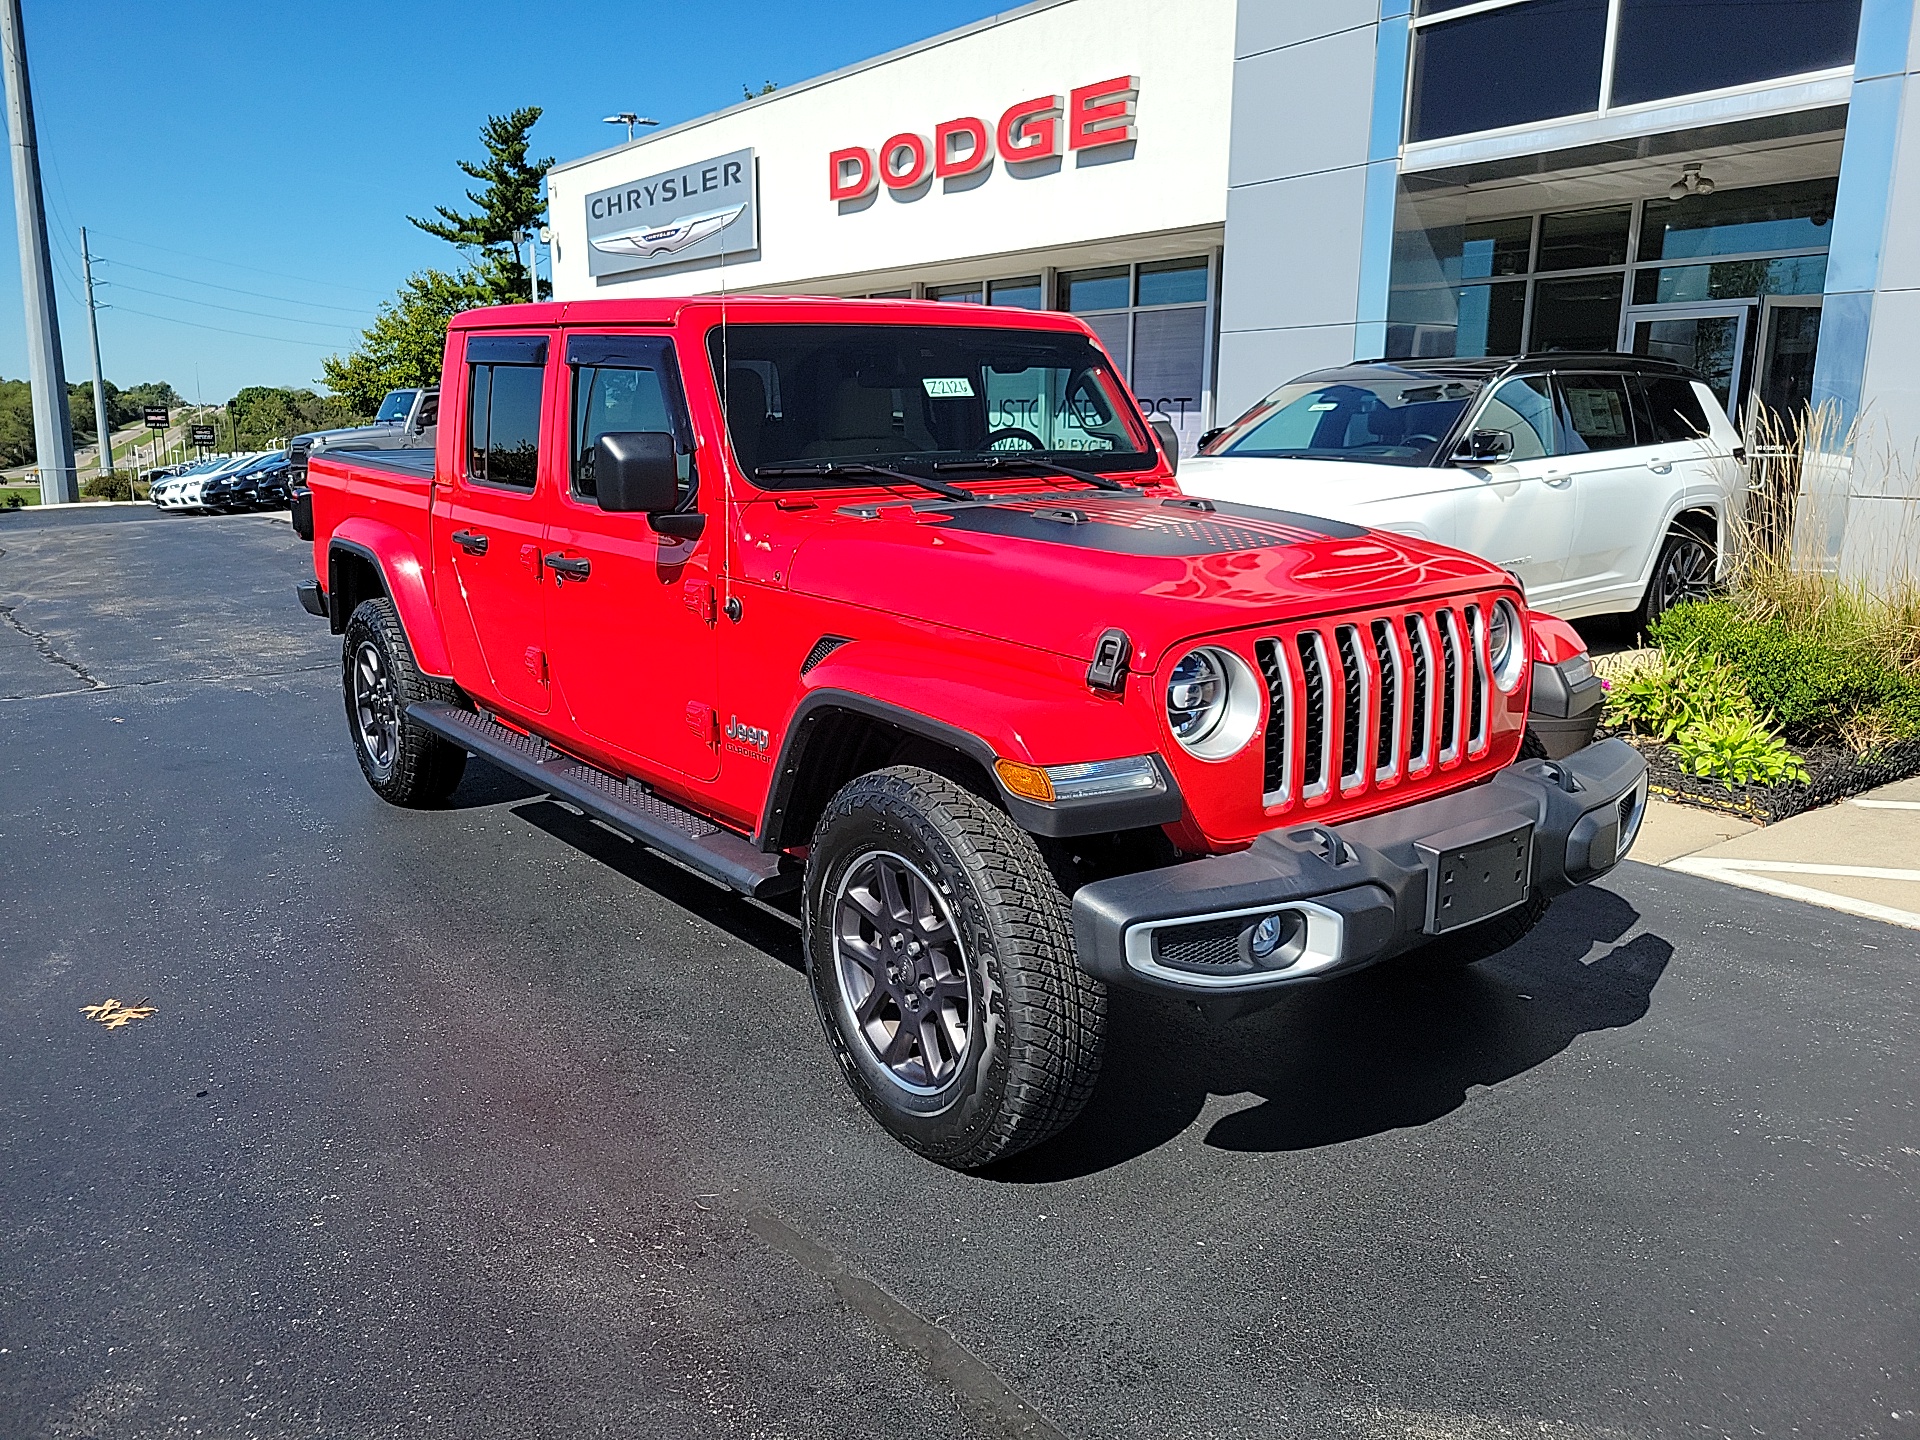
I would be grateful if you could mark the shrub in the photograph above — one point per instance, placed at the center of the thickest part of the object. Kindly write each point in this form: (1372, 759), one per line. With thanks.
(1814, 685)
(1676, 692)
(111, 486)
(1737, 750)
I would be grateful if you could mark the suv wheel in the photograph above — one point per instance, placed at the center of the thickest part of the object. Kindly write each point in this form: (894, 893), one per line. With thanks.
(940, 951)
(403, 762)
(1683, 572)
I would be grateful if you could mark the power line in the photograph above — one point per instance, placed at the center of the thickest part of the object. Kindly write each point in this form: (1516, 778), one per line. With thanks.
(236, 265)
(236, 309)
(222, 329)
(235, 289)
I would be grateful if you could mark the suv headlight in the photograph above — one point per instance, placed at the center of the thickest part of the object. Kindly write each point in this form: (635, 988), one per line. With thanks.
(1213, 702)
(1506, 645)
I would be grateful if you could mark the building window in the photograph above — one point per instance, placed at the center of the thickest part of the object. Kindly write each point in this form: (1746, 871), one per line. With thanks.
(1152, 319)
(1683, 47)
(1022, 294)
(972, 294)
(1519, 62)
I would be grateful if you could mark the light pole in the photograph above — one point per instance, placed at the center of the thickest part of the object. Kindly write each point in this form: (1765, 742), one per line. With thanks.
(100, 421)
(629, 119)
(52, 423)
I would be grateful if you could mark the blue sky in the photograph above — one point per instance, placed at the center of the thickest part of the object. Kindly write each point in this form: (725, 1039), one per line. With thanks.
(249, 168)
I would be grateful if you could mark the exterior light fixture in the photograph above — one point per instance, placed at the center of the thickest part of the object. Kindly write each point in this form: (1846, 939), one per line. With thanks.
(1691, 182)
(629, 119)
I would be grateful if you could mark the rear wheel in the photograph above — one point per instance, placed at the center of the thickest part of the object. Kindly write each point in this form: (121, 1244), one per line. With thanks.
(940, 951)
(405, 763)
(1684, 571)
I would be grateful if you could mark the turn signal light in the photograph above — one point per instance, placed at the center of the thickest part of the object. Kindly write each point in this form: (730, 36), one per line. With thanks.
(1029, 782)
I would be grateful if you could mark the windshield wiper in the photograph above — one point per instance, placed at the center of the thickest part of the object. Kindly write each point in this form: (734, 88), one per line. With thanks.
(830, 469)
(1004, 462)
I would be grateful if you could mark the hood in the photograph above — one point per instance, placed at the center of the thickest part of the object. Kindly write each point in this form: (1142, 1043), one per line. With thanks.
(1348, 490)
(1056, 571)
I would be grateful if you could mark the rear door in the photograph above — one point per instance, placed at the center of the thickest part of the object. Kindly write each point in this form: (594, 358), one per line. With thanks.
(1519, 513)
(633, 633)
(489, 522)
(1622, 481)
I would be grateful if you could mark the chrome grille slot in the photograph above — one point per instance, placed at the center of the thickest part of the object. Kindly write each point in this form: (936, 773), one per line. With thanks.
(1386, 655)
(1355, 700)
(1449, 684)
(1477, 694)
(1313, 712)
(1277, 782)
(1419, 755)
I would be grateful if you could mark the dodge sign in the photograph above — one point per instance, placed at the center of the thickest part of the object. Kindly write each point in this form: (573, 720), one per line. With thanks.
(691, 213)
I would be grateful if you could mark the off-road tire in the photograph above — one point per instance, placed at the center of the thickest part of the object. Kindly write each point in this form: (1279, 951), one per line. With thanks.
(1676, 575)
(1474, 943)
(1035, 1021)
(406, 764)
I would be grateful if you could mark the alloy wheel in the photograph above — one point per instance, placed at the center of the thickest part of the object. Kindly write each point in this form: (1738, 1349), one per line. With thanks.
(376, 711)
(902, 971)
(1686, 573)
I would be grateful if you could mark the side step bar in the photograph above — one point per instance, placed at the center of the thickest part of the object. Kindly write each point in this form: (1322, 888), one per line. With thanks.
(628, 807)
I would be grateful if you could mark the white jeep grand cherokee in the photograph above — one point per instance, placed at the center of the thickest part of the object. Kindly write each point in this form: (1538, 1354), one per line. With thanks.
(1606, 483)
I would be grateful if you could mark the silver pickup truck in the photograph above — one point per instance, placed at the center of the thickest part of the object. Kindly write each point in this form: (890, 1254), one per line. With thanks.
(406, 420)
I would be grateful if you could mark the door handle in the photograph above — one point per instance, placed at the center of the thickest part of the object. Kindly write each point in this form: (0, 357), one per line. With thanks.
(1559, 479)
(1659, 466)
(579, 567)
(471, 541)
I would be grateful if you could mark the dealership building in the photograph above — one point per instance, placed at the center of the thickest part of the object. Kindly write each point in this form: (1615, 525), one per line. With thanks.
(1231, 194)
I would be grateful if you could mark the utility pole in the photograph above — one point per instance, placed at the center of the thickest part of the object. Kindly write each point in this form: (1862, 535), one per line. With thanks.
(101, 422)
(52, 423)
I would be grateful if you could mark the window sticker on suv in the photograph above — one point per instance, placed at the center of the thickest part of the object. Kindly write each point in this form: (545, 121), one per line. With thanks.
(959, 388)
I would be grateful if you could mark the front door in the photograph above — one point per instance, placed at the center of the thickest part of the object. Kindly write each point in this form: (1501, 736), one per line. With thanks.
(1519, 514)
(633, 633)
(488, 525)
(1710, 340)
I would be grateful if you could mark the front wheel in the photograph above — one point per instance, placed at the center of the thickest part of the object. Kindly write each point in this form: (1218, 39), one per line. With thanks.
(940, 951)
(405, 763)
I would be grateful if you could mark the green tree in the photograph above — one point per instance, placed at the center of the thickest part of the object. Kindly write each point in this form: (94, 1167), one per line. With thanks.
(263, 414)
(404, 344)
(508, 202)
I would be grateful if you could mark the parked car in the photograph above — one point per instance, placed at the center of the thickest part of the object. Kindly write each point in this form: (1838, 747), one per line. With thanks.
(258, 485)
(188, 490)
(1604, 483)
(406, 420)
(931, 638)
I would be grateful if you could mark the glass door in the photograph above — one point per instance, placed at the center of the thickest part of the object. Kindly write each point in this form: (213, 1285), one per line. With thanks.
(1789, 335)
(1711, 341)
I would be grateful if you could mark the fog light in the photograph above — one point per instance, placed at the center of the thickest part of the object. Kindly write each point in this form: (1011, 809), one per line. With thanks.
(1267, 936)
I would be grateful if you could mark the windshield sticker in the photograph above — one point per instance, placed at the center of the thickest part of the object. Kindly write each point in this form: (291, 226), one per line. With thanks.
(959, 388)
(1325, 405)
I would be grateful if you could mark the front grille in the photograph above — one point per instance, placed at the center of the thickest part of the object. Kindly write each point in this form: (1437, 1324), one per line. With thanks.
(1354, 703)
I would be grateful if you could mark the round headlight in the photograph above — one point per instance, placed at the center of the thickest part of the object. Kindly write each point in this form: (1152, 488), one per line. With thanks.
(1506, 645)
(1213, 703)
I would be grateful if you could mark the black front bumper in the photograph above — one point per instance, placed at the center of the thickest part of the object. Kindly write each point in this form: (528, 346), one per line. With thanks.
(1344, 896)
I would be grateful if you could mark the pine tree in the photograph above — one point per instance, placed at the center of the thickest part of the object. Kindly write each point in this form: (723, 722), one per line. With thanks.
(508, 203)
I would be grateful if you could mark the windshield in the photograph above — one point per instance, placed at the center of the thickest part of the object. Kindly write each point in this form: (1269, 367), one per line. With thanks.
(913, 395)
(394, 408)
(1383, 421)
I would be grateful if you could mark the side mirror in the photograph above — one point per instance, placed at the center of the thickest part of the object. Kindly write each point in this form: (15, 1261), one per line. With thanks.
(636, 471)
(1169, 443)
(1207, 437)
(1484, 447)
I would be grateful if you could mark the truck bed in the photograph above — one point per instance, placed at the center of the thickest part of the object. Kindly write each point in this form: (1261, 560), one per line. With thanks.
(414, 464)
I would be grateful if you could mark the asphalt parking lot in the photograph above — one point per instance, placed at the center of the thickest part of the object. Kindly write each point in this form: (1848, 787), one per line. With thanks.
(485, 1122)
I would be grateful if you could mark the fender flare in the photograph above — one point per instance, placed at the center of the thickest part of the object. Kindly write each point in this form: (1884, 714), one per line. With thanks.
(1084, 818)
(391, 553)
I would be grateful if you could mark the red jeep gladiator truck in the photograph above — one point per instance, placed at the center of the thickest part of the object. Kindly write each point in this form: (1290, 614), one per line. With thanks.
(899, 605)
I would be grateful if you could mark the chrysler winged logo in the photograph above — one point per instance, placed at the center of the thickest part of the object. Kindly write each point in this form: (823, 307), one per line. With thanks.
(668, 239)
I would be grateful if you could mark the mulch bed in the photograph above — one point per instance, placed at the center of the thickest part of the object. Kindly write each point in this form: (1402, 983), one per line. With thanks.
(1833, 772)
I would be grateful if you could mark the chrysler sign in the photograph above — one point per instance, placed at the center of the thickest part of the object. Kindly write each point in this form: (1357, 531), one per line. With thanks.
(1039, 129)
(690, 213)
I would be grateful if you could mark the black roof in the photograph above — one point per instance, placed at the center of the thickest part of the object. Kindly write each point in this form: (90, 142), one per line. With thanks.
(1487, 367)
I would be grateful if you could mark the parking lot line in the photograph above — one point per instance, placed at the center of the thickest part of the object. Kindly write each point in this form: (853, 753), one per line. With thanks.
(1886, 804)
(1758, 875)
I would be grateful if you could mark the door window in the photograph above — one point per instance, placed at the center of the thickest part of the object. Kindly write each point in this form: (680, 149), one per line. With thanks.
(612, 398)
(503, 424)
(1524, 409)
(1671, 410)
(1595, 412)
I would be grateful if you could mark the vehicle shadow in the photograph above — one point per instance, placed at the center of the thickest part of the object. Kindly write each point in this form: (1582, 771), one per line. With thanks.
(769, 927)
(1389, 1048)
